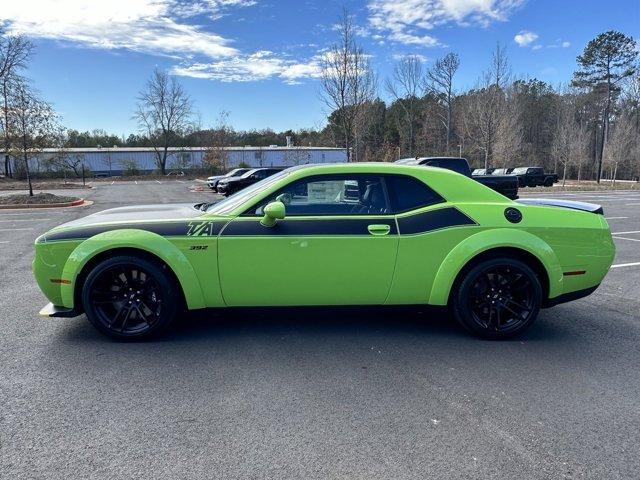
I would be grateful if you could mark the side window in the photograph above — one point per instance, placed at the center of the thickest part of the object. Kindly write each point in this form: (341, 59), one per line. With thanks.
(331, 195)
(408, 193)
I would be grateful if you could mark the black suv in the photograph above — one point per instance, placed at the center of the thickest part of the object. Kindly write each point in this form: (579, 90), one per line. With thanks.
(231, 185)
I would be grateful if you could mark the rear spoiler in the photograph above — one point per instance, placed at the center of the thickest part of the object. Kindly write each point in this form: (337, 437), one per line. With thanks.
(551, 202)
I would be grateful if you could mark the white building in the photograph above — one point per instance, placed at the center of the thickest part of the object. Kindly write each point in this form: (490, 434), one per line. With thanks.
(114, 160)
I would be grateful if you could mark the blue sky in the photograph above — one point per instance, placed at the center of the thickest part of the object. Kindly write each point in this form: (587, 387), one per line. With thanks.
(258, 59)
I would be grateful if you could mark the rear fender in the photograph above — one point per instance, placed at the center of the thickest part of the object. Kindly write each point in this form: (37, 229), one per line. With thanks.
(141, 240)
(486, 240)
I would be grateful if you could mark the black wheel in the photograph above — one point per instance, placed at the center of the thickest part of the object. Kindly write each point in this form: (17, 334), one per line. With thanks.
(128, 298)
(548, 182)
(498, 298)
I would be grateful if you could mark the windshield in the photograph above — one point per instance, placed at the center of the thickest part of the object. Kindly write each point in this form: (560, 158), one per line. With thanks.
(235, 172)
(520, 171)
(249, 173)
(231, 203)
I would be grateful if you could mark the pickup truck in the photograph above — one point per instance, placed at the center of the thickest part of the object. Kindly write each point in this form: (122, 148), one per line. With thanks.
(534, 177)
(507, 185)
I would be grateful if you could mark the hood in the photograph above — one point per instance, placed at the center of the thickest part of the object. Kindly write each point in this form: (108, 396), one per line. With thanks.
(138, 213)
(552, 202)
(216, 177)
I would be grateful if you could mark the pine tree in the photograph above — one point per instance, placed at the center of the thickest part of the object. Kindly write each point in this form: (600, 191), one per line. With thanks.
(606, 61)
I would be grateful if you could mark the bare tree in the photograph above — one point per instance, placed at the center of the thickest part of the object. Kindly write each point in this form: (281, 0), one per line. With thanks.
(14, 54)
(570, 140)
(622, 144)
(481, 114)
(487, 106)
(507, 143)
(440, 82)
(348, 81)
(217, 154)
(499, 72)
(406, 87)
(164, 112)
(33, 124)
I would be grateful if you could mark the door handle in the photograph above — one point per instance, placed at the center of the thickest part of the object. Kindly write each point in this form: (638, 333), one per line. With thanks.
(379, 229)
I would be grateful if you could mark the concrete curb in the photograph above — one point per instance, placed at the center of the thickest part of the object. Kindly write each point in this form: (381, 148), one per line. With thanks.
(75, 203)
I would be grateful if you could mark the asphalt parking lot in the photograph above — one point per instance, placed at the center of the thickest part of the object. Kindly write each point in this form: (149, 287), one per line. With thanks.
(319, 394)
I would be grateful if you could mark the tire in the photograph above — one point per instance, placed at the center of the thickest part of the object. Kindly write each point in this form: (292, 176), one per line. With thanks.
(498, 298)
(130, 298)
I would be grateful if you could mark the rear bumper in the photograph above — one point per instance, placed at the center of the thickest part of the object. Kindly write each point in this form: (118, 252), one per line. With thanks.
(569, 297)
(51, 310)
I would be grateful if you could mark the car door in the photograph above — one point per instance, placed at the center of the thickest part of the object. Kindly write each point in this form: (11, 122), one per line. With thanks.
(336, 246)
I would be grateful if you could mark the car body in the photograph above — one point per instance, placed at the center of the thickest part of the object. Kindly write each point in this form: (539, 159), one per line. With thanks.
(212, 182)
(229, 186)
(505, 184)
(534, 177)
(349, 234)
(502, 171)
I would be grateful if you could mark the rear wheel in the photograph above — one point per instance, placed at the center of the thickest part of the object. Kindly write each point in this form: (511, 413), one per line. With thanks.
(498, 298)
(128, 297)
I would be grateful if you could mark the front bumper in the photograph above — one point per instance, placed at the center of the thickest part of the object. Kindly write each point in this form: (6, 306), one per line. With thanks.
(51, 310)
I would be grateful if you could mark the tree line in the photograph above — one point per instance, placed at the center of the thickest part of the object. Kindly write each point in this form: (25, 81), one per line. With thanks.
(588, 129)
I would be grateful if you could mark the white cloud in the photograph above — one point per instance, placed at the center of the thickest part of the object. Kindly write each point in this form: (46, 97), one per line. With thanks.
(566, 44)
(536, 47)
(525, 38)
(260, 65)
(403, 20)
(401, 56)
(158, 27)
(152, 26)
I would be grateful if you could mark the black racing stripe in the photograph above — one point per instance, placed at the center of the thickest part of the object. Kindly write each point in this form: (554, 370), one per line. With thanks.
(193, 228)
(433, 220)
(288, 227)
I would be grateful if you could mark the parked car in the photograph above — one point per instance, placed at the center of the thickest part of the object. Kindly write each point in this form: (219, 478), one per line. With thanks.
(409, 236)
(502, 171)
(229, 186)
(504, 184)
(534, 177)
(212, 182)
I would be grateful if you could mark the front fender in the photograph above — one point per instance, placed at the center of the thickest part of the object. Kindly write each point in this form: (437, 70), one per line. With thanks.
(480, 242)
(141, 240)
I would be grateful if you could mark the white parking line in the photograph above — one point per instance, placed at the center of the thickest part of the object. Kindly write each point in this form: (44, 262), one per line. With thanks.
(614, 218)
(113, 182)
(136, 182)
(158, 181)
(180, 181)
(31, 212)
(625, 238)
(632, 204)
(626, 233)
(24, 220)
(6, 241)
(625, 265)
(13, 229)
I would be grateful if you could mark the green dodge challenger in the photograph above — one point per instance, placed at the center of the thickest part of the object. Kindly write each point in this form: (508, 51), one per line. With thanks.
(349, 234)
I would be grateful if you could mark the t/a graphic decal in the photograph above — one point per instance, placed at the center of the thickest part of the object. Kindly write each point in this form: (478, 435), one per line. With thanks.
(202, 229)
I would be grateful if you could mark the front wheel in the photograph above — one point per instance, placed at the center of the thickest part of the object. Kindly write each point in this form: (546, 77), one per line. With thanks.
(498, 298)
(128, 297)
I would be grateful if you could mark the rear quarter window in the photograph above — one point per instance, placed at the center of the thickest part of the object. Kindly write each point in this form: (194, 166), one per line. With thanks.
(408, 193)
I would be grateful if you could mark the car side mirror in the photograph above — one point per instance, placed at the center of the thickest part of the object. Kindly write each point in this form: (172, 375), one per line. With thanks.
(273, 211)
